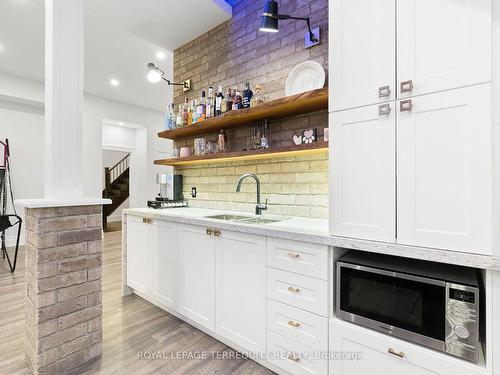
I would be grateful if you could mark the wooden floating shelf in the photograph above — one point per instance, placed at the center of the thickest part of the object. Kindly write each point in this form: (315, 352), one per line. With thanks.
(309, 149)
(306, 102)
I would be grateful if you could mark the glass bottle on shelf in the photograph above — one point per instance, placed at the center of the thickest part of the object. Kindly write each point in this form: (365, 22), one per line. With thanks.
(265, 140)
(219, 100)
(200, 109)
(210, 103)
(222, 141)
(167, 120)
(247, 96)
(194, 112)
(178, 121)
(185, 112)
(257, 99)
(229, 100)
(237, 104)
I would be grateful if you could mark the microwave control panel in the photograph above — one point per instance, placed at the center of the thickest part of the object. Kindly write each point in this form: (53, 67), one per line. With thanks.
(462, 321)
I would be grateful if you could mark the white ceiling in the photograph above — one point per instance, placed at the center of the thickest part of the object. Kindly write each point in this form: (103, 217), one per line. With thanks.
(121, 37)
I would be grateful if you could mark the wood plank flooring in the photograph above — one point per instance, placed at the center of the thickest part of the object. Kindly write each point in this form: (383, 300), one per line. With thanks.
(130, 325)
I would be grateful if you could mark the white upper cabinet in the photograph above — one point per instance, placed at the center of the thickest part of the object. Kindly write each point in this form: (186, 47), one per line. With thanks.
(197, 275)
(241, 289)
(164, 257)
(445, 170)
(442, 44)
(362, 165)
(362, 53)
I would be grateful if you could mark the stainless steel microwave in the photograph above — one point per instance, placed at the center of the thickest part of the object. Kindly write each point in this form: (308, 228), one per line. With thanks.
(432, 304)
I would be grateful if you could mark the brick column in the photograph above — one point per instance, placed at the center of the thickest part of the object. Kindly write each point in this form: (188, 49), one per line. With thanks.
(63, 286)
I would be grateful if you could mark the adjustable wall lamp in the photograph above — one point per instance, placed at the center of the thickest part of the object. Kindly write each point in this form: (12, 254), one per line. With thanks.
(155, 75)
(270, 18)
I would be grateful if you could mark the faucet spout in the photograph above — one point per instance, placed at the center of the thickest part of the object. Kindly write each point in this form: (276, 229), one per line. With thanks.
(259, 207)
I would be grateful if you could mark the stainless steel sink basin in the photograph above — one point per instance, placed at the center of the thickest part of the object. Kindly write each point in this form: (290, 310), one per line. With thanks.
(244, 219)
(229, 217)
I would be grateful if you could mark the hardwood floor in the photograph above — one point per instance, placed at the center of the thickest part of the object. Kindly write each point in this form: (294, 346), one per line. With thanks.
(131, 327)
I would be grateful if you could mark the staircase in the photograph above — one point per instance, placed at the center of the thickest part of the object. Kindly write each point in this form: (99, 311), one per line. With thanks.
(116, 187)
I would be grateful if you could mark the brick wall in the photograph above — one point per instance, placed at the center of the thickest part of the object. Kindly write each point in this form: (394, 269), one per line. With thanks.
(231, 54)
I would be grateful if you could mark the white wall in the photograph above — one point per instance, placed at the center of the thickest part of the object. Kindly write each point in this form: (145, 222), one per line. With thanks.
(22, 121)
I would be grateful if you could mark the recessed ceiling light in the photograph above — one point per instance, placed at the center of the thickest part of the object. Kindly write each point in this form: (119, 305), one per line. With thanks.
(114, 82)
(160, 55)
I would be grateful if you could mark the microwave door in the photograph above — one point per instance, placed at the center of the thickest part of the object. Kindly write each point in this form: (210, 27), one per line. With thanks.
(406, 306)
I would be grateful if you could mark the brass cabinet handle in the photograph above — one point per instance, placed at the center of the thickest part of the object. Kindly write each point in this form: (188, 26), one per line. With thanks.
(405, 105)
(293, 290)
(217, 232)
(292, 357)
(147, 220)
(291, 323)
(384, 91)
(210, 231)
(293, 255)
(407, 86)
(397, 354)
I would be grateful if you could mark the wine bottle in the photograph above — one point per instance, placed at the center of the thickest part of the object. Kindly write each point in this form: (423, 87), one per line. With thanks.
(218, 102)
(247, 96)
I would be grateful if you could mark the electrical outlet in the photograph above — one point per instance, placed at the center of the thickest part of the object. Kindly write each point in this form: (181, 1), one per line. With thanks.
(193, 192)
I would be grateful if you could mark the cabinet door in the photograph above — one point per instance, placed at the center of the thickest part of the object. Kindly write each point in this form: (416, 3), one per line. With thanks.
(164, 248)
(389, 355)
(138, 254)
(241, 289)
(445, 171)
(197, 275)
(443, 44)
(362, 52)
(362, 172)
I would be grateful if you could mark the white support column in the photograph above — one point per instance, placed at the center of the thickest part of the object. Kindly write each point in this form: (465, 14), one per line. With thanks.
(63, 99)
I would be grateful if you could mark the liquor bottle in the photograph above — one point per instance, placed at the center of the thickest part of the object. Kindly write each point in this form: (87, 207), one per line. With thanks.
(219, 100)
(185, 112)
(178, 122)
(200, 109)
(247, 95)
(257, 99)
(237, 103)
(170, 117)
(228, 102)
(210, 103)
(194, 112)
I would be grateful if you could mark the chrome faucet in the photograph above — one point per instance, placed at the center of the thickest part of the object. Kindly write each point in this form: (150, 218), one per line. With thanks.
(259, 207)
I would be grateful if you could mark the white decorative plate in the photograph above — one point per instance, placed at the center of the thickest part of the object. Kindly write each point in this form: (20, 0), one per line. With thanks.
(306, 76)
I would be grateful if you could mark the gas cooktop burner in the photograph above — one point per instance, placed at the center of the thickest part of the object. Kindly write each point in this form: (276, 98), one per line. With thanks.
(161, 202)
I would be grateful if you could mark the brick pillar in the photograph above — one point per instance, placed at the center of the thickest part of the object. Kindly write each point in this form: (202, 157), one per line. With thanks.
(63, 286)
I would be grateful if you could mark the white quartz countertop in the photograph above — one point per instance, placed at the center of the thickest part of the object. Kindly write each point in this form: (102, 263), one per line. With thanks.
(313, 231)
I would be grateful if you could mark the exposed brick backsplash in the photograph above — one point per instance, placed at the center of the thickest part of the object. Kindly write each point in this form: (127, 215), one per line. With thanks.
(231, 54)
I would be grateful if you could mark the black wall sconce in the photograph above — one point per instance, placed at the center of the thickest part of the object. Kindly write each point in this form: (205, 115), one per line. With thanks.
(155, 75)
(270, 18)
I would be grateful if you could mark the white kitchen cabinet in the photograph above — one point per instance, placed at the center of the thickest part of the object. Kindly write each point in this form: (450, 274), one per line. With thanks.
(445, 171)
(362, 170)
(241, 289)
(196, 276)
(383, 354)
(164, 262)
(362, 52)
(442, 44)
(139, 251)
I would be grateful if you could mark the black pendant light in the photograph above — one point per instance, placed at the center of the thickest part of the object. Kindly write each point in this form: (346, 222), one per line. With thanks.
(270, 18)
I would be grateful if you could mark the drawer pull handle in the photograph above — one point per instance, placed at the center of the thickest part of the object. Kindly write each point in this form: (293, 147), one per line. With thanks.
(384, 109)
(384, 91)
(407, 86)
(293, 290)
(147, 220)
(210, 231)
(406, 105)
(292, 357)
(217, 232)
(293, 255)
(293, 324)
(397, 354)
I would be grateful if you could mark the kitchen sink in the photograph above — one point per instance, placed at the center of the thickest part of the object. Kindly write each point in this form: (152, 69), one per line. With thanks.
(244, 219)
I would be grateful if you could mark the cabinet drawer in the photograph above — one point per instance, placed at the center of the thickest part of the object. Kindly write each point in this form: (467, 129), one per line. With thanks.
(297, 290)
(301, 257)
(304, 327)
(390, 355)
(293, 357)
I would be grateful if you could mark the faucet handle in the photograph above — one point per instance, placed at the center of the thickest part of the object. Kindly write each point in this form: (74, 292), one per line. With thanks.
(265, 204)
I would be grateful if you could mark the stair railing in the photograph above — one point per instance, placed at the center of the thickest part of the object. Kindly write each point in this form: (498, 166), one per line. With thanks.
(111, 174)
